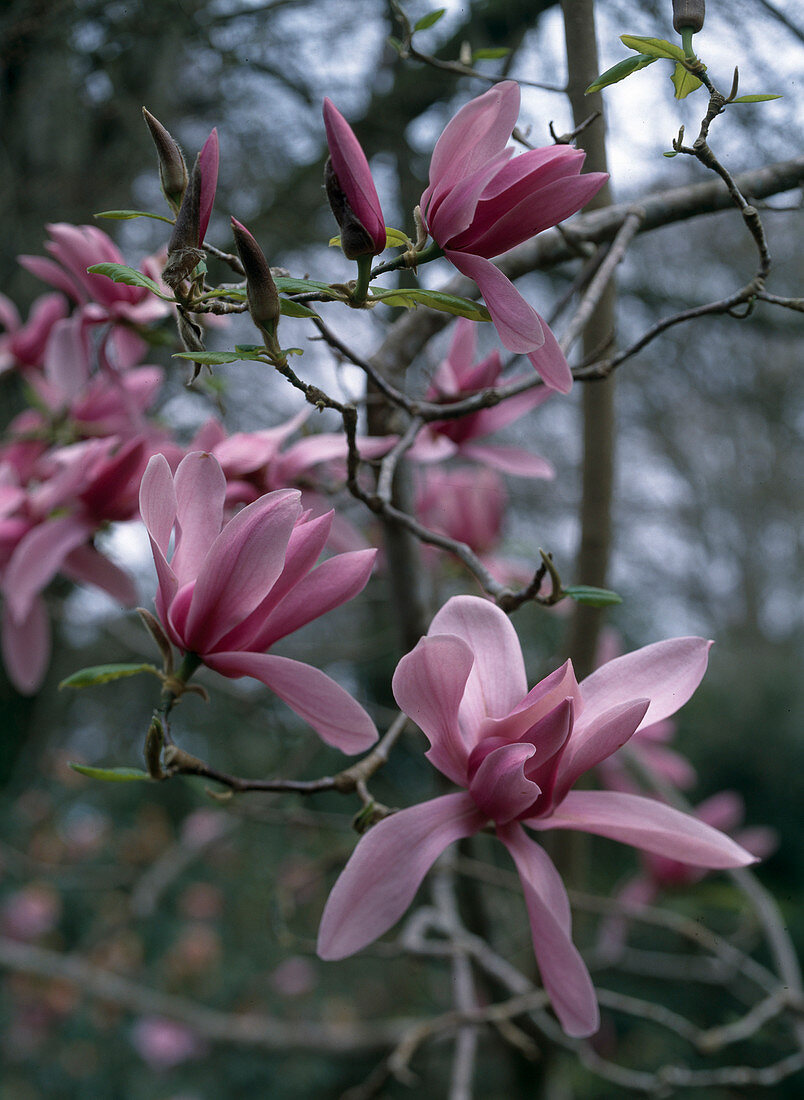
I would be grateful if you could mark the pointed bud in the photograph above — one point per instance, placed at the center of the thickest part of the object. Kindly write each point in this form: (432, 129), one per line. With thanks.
(208, 160)
(183, 248)
(350, 189)
(172, 169)
(688, 13)
(263, 297)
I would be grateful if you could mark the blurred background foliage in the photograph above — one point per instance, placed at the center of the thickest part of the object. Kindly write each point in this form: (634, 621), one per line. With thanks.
(220, 903)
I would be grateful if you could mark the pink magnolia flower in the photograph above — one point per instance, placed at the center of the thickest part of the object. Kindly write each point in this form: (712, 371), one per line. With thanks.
(231, 590)
(518, 753)
(458, 376)
(164, 1043)
(23, 345)
(73, 249)
(480, 203)
(354, 184)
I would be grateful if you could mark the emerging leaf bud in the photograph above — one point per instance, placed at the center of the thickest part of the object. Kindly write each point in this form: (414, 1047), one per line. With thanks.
(183, 248)
(688, 13)
(172, 169)
(263, 297)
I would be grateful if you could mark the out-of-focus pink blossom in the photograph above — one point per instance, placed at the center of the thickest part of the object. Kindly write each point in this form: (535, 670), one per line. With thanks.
(31, 912)
(24, 345)
(481, 203)
(518, 754)
(164, 1043)
(294, 977)
(73, 249)
(459, 376)
(231, 590)
(354, 180)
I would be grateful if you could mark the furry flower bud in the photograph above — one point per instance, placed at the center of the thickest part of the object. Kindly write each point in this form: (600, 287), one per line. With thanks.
(263, 297)
(172, 169)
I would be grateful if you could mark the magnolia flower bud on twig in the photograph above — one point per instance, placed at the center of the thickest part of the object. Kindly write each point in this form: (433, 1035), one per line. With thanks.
(263, 297)
(688, 13)
(355, 238)
(183, 248)
(172, 169)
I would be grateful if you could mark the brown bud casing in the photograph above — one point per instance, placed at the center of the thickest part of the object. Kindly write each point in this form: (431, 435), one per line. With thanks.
(263, 297)
(688, 14)
(355, 238)
(183, 249)
(172, 169)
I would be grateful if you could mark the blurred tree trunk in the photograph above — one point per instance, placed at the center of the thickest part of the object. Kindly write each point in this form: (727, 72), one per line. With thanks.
(598, 398)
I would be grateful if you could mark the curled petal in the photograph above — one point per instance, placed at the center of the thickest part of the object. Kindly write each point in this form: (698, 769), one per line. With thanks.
(336, 717)
(428, 685)
(499, 786)
(497, 682)
(386, 869)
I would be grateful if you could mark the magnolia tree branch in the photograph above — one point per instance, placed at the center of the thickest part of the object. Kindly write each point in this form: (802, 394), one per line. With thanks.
(248, 1029)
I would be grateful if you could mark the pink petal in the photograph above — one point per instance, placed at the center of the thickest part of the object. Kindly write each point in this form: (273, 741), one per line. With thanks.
(461, 354)
(354, 175)
(667, 673)
(499, 786)
(648, 824)
(87, 565)
(240, 568)
(158, 511)
(37, 559)
(386, 869)
(335, 716)
(208, 168)
(591, 743)
(335, 581)
(507, 412)
(478, 132)
(563, 971)
(67, 365)
(452, 212)
(428, 686)
(510, 460)
(26, 647)
(200, 493)
(550, 363)
(540, 701)
(52, 273)
(517, 324)
(497, 682)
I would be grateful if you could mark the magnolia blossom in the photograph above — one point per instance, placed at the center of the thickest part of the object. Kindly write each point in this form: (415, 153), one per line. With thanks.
(23, 345)
(457, 377)
(518, 753)
(350, 188)
(480, 203)
(231, 590)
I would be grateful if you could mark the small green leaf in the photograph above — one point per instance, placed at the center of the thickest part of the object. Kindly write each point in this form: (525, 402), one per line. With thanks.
(684, 81)
(595, 597)
(428, 20)
(671, 153)
(435, 299)
(217, 358)
(395, 44)
(102, 674)
(490, 54)
(110, 775)
(120, 273)
(754, 98)
(394, 238)
(125, 215)
(620, 71)
(295, 309)
(658, 47)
